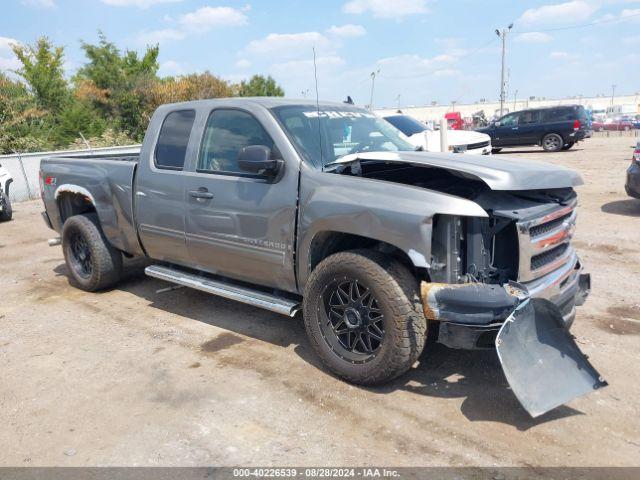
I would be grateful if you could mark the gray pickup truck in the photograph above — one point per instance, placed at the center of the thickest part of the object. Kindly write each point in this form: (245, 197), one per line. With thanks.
(327, 209)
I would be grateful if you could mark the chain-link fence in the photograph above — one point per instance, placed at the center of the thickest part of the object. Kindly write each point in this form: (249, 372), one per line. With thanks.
(24, 168)
(631, 133)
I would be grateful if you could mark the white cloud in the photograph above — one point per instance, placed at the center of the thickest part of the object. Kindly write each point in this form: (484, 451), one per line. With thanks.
(303, 67)
(446, 72)
(198, 21)
(628, 13)
(386, 8)
(534, 37)
(39, 3)
(561, 13)
(8, 60)
(206, 18)
(348, 30)
(289, 45)
(159, 36)
(137, 3)
(557, 55)
(413, 62)
(632, 40)
(243, 63)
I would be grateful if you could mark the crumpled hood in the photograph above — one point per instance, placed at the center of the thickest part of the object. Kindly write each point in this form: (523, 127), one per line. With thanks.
(498, 173)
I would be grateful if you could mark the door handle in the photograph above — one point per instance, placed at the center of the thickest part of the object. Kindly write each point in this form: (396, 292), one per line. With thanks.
(201, 193)
(515, 128)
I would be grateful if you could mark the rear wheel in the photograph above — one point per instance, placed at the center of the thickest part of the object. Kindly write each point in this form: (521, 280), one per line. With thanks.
(552, 142)
(92, 262)
(496, 150)
(363, 316)
(568, 146)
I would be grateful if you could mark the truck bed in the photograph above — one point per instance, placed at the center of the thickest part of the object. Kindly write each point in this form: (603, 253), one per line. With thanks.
(105, 181)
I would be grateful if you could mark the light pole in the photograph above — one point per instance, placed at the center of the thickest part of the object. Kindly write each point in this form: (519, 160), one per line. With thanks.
(398, 100)
(613, 93)
(515, 99)
(503, 36)
(373, 83)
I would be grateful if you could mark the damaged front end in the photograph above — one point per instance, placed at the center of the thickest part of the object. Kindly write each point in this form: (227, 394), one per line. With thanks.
(512, 282)
(541, 361)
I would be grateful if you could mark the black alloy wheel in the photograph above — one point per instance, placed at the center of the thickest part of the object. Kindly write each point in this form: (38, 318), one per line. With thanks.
(352, 322)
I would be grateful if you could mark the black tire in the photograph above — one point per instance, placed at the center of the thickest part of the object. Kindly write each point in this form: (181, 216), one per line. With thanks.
(394, 293)
(496, 150)
(92, 262)
(7, 211)
(552, 142)
(568, 146)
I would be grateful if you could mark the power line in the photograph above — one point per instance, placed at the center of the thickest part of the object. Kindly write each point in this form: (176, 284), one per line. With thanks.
(584, 25)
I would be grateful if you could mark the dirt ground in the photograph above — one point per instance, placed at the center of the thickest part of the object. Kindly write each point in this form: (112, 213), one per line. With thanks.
(136, 377)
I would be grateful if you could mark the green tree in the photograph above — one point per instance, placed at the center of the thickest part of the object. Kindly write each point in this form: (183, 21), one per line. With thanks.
(111, 70)
(42, 70)
(24, 127)
(78, 119)
(260, 86)
(115, 83)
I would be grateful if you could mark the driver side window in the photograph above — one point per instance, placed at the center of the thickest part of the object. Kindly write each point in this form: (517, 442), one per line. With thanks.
(226, 133)
(510, 120)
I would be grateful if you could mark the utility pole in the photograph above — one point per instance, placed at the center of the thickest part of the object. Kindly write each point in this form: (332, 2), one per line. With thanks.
(515, 100)
(503, 36)
(613, 93)
(398, 100)
(373, 83)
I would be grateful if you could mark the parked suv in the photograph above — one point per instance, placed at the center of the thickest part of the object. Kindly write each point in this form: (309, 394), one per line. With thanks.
(553, 128)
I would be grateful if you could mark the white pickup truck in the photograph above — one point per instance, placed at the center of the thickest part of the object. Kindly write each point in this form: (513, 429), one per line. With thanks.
(459, 141)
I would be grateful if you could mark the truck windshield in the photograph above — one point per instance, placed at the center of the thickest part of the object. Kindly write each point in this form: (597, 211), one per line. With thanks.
(407, 125)
(324, 136)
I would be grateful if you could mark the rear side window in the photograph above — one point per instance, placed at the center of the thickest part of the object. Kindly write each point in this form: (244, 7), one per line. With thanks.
(528, 117)
(171, 148)
(560, 114)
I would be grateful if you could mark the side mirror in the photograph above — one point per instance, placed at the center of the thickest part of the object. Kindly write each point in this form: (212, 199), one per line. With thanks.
(496, 124)
(257, 159)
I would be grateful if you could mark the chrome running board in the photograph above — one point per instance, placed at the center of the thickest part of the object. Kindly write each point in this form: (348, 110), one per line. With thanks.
(246, 295)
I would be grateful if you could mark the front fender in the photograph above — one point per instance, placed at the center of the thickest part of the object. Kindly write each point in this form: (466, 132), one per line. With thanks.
(400, 215)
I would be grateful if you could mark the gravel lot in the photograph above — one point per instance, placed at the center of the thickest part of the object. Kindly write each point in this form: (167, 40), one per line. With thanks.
(136, 377)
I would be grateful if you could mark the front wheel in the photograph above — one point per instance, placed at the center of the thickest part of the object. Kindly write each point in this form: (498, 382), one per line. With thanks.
(552, 142)
(363, 316)
(91, 260)
(496, 150)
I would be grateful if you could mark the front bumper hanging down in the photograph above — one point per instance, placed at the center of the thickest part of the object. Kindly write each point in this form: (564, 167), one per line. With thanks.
(539, 357)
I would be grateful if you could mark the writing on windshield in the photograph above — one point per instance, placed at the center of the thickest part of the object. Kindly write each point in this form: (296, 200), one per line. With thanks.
(323, 136)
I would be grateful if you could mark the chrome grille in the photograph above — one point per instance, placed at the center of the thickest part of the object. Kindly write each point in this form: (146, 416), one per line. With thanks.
(538, 230)
(545, 242)
(542, 259)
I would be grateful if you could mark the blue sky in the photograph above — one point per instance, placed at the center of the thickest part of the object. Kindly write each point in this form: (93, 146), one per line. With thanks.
(425, 50)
